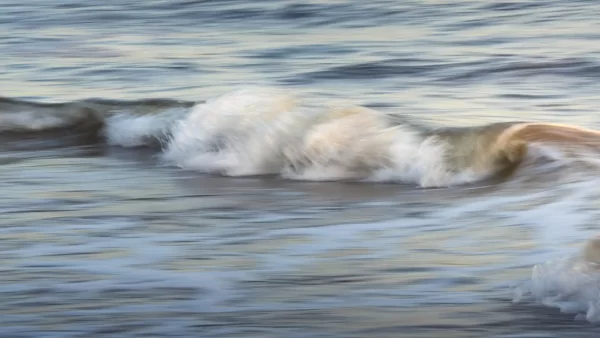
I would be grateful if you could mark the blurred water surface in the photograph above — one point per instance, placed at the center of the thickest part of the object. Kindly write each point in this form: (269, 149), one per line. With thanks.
(98, 241)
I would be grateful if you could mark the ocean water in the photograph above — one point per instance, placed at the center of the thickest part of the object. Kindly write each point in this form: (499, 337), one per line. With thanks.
(101, 237)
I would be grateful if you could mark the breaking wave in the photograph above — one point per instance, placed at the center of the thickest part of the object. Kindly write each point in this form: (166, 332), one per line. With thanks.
(571, 284)
(258, 131)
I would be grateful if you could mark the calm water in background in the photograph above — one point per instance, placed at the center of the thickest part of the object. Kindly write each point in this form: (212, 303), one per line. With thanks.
(101, 241)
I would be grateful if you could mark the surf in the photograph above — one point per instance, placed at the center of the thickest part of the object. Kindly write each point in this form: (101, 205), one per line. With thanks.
(270, 131)
(570, 283)
(258, 132)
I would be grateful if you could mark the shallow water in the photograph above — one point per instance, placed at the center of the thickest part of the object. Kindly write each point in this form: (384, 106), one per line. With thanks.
(103, 241)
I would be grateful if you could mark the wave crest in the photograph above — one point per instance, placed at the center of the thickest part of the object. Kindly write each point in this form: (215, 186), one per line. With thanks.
(257, 131)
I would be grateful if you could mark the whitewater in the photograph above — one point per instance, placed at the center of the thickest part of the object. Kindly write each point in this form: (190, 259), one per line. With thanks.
(268, 131)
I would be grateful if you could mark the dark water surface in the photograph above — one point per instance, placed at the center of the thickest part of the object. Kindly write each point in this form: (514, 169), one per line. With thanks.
(102, 241)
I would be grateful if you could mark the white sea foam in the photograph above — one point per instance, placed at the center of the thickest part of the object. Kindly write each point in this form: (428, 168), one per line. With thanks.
(130, 130)
(239, 133)
(266, 131)
(568, 283)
